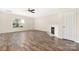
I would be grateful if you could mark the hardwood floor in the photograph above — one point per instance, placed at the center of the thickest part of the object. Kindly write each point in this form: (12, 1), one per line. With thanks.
(34, 40)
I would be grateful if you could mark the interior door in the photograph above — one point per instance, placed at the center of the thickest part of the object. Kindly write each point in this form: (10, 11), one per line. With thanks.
(69, 30)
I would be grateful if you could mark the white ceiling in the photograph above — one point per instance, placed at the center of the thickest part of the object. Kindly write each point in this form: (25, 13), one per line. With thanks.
(39, 12)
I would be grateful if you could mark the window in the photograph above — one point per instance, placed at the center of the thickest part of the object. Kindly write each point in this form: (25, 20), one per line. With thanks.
(18, 23)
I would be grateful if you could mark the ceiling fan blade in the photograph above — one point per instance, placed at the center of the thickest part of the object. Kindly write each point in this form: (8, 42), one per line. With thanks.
(31, 10)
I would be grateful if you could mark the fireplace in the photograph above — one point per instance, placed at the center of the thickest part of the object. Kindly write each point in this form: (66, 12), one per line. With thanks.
(53, 30)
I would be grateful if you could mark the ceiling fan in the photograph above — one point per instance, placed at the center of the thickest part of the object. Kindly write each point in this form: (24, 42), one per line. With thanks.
(31, 10)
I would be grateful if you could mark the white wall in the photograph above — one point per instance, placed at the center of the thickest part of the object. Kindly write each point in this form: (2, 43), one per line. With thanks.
(6, 20)
(45, 23)
(78, 25)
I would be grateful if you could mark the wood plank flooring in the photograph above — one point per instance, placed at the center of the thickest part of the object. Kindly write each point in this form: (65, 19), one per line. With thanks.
(34, 40)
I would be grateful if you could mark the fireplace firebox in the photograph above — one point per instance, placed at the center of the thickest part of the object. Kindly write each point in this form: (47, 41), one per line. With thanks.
(52, 30)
